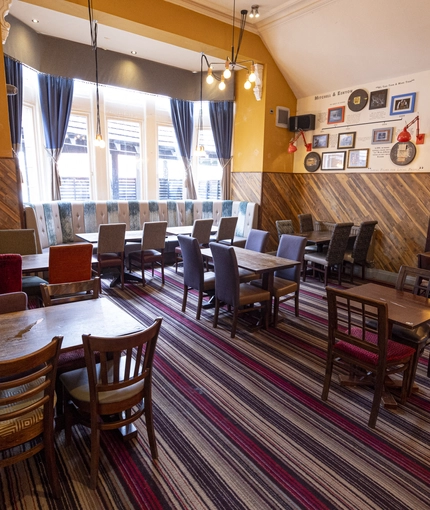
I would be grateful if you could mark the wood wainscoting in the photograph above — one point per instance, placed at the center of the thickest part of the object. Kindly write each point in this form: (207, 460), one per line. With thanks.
(11, 210)
(400, 202)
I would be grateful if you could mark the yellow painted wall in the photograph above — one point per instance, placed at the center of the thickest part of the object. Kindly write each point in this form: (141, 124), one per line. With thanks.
(5, 139)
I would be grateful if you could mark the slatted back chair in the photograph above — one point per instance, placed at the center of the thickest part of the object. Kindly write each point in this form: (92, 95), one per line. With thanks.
(360, 345)
(27, 396)
(119, 385)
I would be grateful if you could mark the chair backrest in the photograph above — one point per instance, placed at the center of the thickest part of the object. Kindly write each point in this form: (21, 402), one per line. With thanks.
(27, 412)
(125, 366)
(362, 322)
(363, 240)
(13, 302)
(284, 227)
(111, 238)
(70, 263)
(293, 248)
(60, 293)
(202, 230)
(306, 223)
(226, 273)
(257, 240)
(338, 243)
(154, 235)
(415, 280)
(226, 228)
(22, 241)
(10, 273)
(192, 261)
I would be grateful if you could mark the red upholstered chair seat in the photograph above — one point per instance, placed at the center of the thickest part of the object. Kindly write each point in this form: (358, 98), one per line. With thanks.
(395, 351)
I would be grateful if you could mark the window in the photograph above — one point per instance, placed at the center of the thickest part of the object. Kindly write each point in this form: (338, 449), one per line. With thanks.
(170, 167)
(27, 157)
(74, 163)
(208, 170)
(124, 151)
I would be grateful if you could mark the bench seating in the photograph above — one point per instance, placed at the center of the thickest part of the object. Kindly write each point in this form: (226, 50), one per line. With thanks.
(58, 222)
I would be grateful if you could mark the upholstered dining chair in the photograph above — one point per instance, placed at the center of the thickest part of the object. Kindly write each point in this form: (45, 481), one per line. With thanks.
(110, 249)
(284, 227)
(226, 230)
(358, 253)
(365, 351)
(13, 302)
(322, 262)
(11, 273)
(306, 223)
(228, 289)
(27, 396)
(256, 241)
(202, 232)
(118, 386)
(70, 262)
(195, 277)
(151, 248)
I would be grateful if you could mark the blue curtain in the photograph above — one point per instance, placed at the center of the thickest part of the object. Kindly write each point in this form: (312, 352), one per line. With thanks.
(221, 117)
(56, 96)
(13, 70)
(183, 124)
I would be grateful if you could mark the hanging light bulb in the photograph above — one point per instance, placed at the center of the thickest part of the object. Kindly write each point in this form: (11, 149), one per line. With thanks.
(247, 84)
(227, 72)
(221, 85)
(209, 77)
(251, 76)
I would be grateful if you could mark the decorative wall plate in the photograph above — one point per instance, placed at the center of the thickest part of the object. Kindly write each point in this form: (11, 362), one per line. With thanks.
(402, 153)
(358, 100)
(312, 161)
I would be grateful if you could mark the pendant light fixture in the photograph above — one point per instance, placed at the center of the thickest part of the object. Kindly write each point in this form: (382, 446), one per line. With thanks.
(99, 142)
(200, 149)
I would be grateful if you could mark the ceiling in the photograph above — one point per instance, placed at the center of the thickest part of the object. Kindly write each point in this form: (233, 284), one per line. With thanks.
(319, 45)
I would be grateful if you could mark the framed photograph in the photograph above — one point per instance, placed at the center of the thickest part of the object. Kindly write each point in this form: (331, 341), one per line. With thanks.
(402, 153)
(358, 100)
(405, 103)
(335, 115)
(312, 161)
(378, 99)
(382, 135)
(333, 160)
(319, 141)
(358, 158)
(346, 140)
(282, 116)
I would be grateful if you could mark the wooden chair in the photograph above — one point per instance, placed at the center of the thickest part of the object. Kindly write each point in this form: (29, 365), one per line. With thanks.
(119, 387)
(70, 263)
(27, 396)
(60, 293)
(202, 232)
(110, 248)
(13, 302)
(151, 249)
(365, 352)
(228, 289)
(358, 253)
(195, 277)
(322, 262)
(256, 241)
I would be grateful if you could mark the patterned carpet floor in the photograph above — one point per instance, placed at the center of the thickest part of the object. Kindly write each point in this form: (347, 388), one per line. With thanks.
(240, 424)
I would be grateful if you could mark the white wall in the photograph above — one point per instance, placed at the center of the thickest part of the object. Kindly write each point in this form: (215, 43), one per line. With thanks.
(365, 121)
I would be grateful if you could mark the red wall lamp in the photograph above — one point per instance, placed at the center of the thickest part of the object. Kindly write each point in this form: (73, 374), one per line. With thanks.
(405, 136)
(292, 148)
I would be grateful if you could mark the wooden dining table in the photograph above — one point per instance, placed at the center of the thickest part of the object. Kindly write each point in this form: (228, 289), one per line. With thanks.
(320, 237)
(29, 330)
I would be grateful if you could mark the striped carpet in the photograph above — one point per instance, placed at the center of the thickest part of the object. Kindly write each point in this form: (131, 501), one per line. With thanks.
(240, 425)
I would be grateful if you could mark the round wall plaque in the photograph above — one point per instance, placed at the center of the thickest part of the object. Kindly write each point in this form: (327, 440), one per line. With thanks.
(402, 153)
(358, 100)
(312, 161)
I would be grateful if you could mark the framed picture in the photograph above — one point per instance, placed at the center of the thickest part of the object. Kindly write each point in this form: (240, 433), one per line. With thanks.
(382, 135)
(319, 141)
(312, 161)
(358, 100)
(335, 115)
(402, 153)
(346, 140)
(282, 116)
(358, 158)
(405, 103)
(378, 99)
(333, 160)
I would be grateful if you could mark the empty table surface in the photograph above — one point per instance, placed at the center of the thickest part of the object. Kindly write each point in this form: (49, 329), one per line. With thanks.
(130, 236)
(29, 330)
(36, 262)
(186, 230)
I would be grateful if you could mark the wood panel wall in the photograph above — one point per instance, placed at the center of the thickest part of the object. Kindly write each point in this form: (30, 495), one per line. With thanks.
(11, 211)
(399, 202)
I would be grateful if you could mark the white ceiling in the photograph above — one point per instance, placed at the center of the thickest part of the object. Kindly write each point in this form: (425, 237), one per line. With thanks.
(319, 45)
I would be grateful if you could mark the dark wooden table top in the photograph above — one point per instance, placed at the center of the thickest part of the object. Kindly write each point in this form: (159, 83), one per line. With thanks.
(319, 236)
(29, 330)
(35, 263)
(134, 236)
(404, 308)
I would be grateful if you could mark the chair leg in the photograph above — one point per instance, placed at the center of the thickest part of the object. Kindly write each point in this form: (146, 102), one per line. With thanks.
(184, 299)
(328, 376)
(162, 269)
(51, 463)
(296, 303)
(234, 325)
(326, 269)
(305, 266)
(275, 311)
(199, 305)
(150, 427)
(215, 323)
(379, 387)
(95, 454)
(352, 273)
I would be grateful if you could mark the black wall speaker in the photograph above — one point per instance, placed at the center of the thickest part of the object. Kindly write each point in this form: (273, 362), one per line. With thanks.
(304, 122)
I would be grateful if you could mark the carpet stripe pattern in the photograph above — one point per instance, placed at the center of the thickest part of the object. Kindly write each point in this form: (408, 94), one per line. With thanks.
(240, 424)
